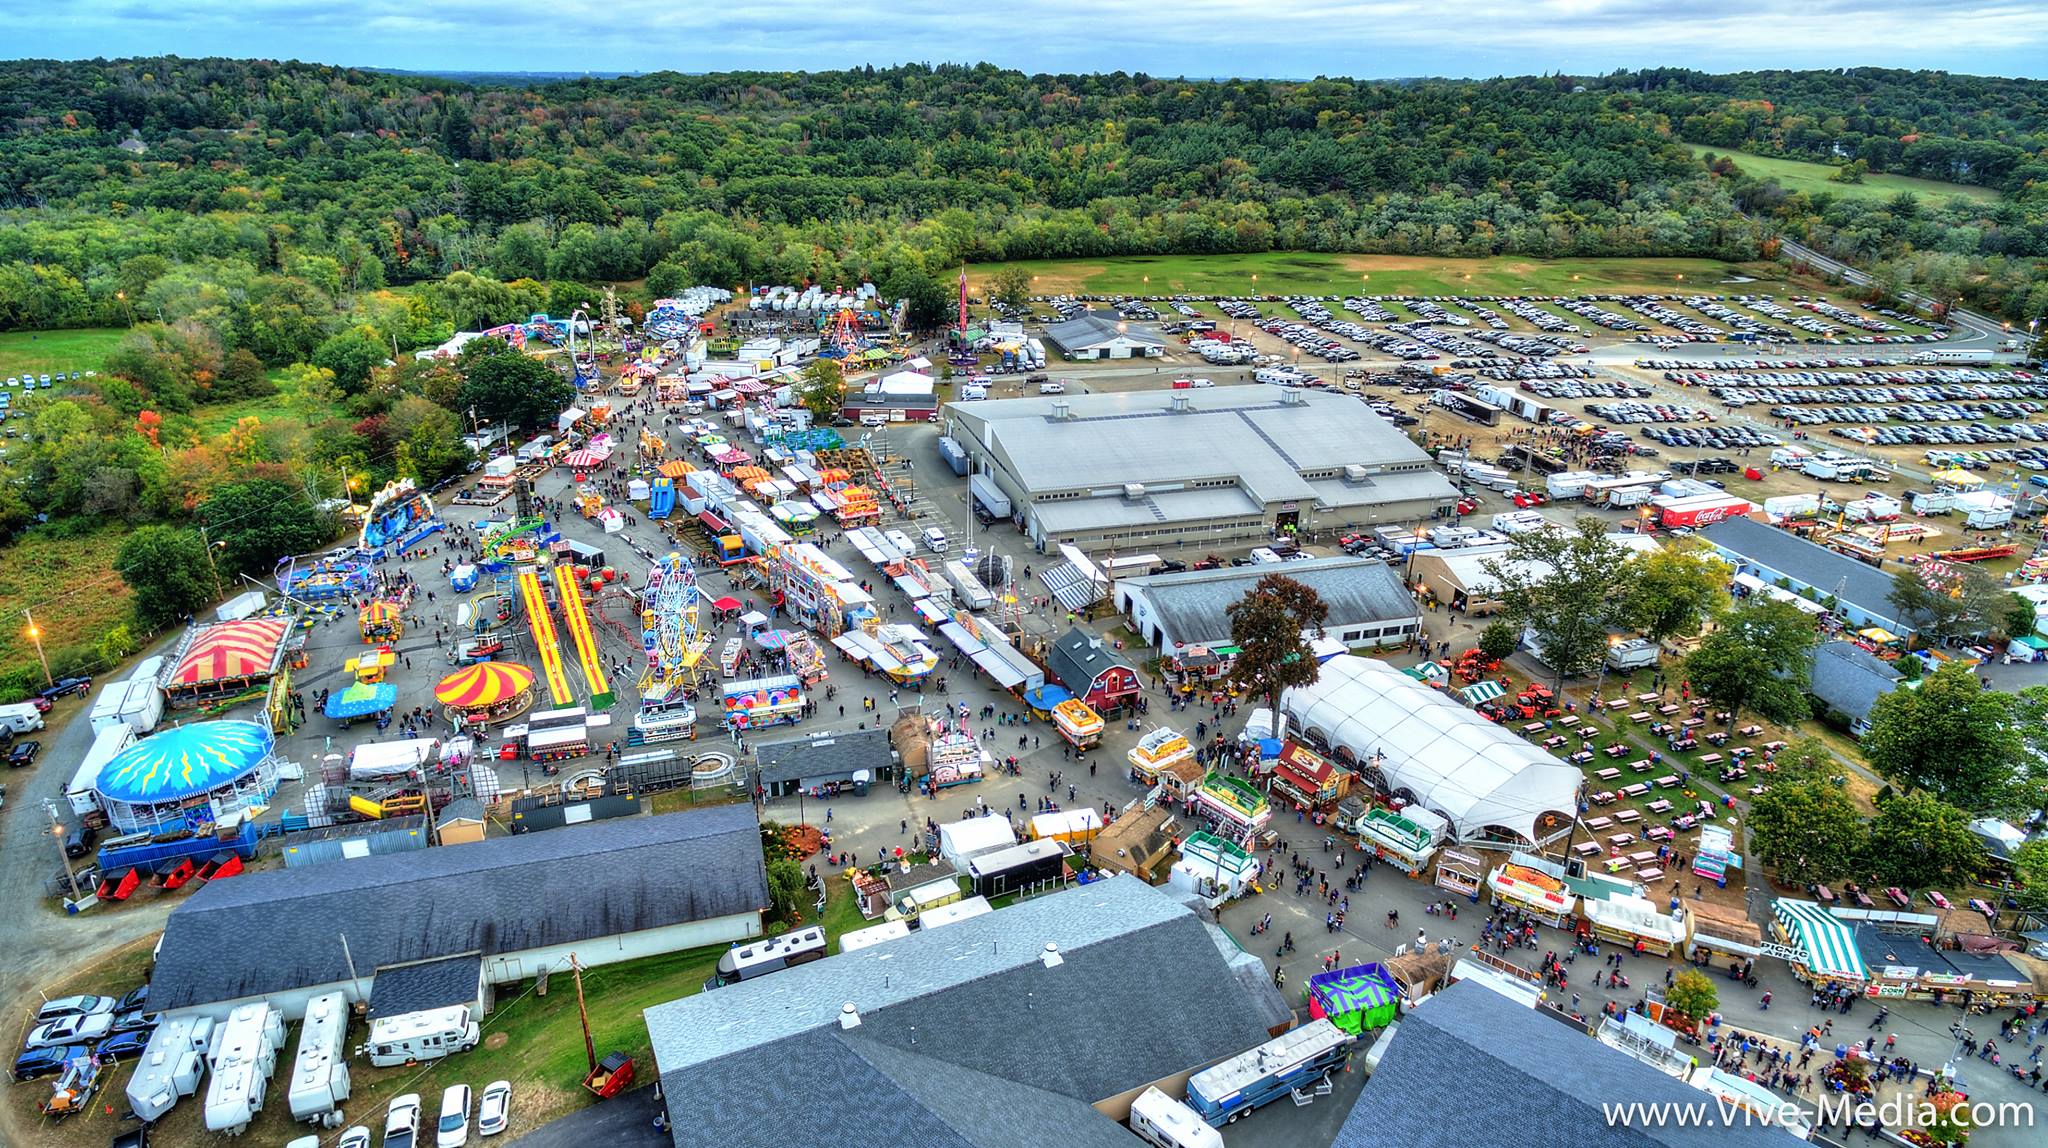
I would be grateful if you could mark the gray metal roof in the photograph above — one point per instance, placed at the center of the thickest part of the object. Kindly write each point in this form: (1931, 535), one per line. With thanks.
(1192, 605)
(1850, 678)
(280, 930)
(1094, 328)
(1545, 1082)
(831, 756)
(1155, 508)
(974, 993)
(1078, 657)
(428, 984)
(1857, 583)
(1265, 437)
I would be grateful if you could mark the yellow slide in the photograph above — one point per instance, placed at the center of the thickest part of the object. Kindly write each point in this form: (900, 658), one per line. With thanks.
(544, 636)
(578, 623)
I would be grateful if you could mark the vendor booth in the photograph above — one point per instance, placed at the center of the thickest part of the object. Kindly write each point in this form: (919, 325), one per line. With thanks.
(1536, 886)
(1158, 748)
(1239, 811)
(760, 702)
(1460, 872)
(1212, 869)
(360, 700)
(1407, 839)
(381, 621)
(1724, 932)
(485, 694)
(1825, 947)
(1077, 723)
(1307, 780)
(1633, 920)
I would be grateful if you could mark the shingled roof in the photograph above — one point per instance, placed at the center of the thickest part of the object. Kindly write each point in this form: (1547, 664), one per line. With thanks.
(281, 930)
(742, 1064)
(1078, 657)
(829, 756)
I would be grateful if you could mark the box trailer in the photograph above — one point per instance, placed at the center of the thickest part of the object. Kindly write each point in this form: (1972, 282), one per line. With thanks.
(969, 588)
(1634, 654)
(142, 706)
(83, 791)
(1701, 511)
(955, 458)
(939, 916)
(106, 708)
(1023, 866)
(320, 1080)
(1790, 506)
(171, 1065)
(242, 1059)
(988, 497)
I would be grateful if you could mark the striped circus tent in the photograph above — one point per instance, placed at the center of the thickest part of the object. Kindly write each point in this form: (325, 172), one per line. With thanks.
(379, 613)
(676, 468)
(1827, 944)
(482, 685)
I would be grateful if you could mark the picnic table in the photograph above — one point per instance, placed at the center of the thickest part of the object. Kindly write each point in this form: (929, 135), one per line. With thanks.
(1553, 741)
(1668, 781)
(1636, 790)
(1628, 816)
(1586, 848)
(1617, 703)
(1773, 746)
(1660, 806)
(1710, 759)
(1750, 730)
(1621, 839)
(1693, 722)
(1660, 833)
(1603, 798)
(1618, 749)
(1599, 823)
(1649, 697)
(1581, 757)
(1568, 720)
(1648, 875)
(1534, 727)
(1608, 774)
(1640, 765)
(1640, 716)
(1643, 858)
(1668, 709)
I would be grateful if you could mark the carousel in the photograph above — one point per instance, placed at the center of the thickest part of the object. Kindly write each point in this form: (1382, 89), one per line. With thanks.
(381, 621)
(486, 693)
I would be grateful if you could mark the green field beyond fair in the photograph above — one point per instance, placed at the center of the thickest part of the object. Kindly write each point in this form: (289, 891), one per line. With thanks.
(1812, 178)
(48, 352)
(1309, 273)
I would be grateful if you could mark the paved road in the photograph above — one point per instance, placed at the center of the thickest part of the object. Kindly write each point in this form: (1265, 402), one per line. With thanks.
(1980, 332)
(625, 1121)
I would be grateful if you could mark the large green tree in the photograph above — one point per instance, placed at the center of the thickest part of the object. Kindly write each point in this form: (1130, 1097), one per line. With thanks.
(509, 387)
(259, 521)
(1676, 589)
(1567, 587)
(2030, 873)
(1010, 286)
(167, 572)
(1758, 659)
(1272, 627)
(1806, 830)
(1966, 603)
(351, 355)
(1951, 737)
(1917, 839)
(821, 389)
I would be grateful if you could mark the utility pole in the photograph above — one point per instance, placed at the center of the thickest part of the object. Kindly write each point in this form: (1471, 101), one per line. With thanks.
(35, 635)
(582, 1013)
(210, 563)
(57, 836)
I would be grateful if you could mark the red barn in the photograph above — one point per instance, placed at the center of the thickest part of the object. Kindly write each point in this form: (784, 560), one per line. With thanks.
(1092, 671)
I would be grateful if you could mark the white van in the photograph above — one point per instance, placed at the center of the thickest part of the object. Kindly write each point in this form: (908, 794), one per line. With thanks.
(972, 391)
(874, 418)
(935, 540)
(22, 717)
(1052, 388)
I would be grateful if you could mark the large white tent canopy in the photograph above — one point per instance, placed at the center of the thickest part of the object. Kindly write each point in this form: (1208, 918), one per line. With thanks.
(1453, 761)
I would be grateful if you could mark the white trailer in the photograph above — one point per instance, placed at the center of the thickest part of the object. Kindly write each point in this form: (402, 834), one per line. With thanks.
(243, 1057)
(967, 586)
(320, 1080)
(1569, 483)
(1634, 654)
(83, 791)
(106, 708)
(426, 1035)
(1984, 509)
(1160, 1119)
(143, 705)
(171, 1065)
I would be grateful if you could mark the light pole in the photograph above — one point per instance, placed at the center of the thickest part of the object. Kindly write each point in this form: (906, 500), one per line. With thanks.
(57, 836)
(211, 545)
(35, 634)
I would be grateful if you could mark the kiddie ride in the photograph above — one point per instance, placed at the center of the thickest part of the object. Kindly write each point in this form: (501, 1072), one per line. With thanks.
(399, 517)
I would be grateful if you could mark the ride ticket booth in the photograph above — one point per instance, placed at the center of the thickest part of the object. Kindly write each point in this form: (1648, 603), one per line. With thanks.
(1535, 886)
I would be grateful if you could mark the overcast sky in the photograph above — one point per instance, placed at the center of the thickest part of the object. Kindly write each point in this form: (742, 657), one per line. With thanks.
(1279, 38)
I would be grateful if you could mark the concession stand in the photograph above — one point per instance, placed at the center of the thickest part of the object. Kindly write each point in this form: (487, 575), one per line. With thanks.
(1535, 886)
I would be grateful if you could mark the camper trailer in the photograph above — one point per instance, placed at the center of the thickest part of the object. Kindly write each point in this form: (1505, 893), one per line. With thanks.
(429, 1034)
(320, 1079)
(83, 791)
(171, 1065)
(1161, 1120)
(759, 958)
(243, 1056)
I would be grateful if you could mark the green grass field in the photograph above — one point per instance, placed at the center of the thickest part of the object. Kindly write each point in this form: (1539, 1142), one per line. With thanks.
(1812, 178)
(47, 352)
(1307, 273)
(70, 584)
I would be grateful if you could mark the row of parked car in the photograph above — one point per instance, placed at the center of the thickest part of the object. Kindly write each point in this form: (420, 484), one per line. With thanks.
(106, 1027)
(49, 380)
(1638, 412)
(1937, 434)
(1714, 437)
(493, 1112)
(1816, 416)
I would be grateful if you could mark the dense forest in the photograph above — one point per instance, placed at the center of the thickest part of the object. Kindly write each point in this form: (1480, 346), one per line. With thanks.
(274, 232)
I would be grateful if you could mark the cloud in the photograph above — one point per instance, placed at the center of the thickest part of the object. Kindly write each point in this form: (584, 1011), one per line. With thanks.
(1372, 38)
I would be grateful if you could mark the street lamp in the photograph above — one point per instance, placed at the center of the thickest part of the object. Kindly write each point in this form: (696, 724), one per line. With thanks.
(35, 634)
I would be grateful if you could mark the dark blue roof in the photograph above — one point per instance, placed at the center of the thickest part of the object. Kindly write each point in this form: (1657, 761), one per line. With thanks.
(1852, 581)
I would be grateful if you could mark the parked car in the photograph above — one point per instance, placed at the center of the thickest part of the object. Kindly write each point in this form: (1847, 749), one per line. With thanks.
(356, 1136)
(136, 1137)
(84, 1005)
(65, 687)
(402, 1121)
(453, 1129)
(49, 1061)
(135, 1020)
(123, 1045)
(494, 1108)
(133, 999)
(70, 1030)
(78, 843)
(23, 754)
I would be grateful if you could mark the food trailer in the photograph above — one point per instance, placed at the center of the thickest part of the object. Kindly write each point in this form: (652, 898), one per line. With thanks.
(758, 702)
(1625, 920)
(1240, 811)
(1080, 725)
(1407, 839)
(1308, 779)
(1159, 748)
(1536, 886)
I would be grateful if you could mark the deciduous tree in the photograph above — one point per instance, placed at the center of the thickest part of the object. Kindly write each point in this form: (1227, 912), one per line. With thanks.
(1568, 588)
(508, 387)
(821, 388)
(167, 572)
(1917, 839)
(1676, 589)
(1951, 737)
(1758, 658)
(260, 521)
(1268, 627)
(1807, 830)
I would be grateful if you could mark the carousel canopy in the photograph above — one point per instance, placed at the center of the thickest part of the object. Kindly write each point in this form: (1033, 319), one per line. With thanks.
(361, 700)
(483, 684)
(380, 612)
(184, 761)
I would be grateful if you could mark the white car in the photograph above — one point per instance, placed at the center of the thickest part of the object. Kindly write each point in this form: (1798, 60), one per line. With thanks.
(453, 1130)
(356, 1136)
(494, 1108)
(74, 1006)
(402, 1123)
(83, 1028)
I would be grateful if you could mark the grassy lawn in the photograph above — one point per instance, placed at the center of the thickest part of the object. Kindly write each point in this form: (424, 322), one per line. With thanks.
(1284, 273)
(47, 352)
(70, 582)
(1812, 178)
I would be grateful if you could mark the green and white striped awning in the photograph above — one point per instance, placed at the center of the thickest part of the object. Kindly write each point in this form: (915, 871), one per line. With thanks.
(1427, 671)
(1479, 692)
(1827, 945)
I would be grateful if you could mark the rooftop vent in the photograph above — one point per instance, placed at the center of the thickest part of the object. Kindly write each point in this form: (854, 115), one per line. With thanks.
(1062, 410)
(1179, 404)
(848, 1016)
(1050, 958)
(1354, 473)
(1134, 490)
(1295, 397)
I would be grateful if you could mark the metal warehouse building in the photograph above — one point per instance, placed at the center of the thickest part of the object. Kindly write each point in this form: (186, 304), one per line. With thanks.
(1195, 467)
(1368, 604)
(454, 921)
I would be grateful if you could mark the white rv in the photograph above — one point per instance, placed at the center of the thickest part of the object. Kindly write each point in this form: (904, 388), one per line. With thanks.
(320, 1080)
(243, 1056)
(83, 791)
(426, 1035)
(1160, 1119)
(171, 1065)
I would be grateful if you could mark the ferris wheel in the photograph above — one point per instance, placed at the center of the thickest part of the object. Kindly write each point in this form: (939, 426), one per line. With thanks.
(668, 631)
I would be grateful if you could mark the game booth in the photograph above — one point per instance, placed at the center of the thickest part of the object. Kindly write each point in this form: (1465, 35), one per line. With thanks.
(189, 777)
(1077, 723)
(1536, 886)
(381, 621)
(220, 660)
(1159, 749)
(486, 693)
(1624, 920)
(1407, 839)
(1358, 1000)
(1240, 811)
(759, 702)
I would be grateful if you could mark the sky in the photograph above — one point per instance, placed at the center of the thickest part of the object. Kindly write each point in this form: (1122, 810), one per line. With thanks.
(1201, 38)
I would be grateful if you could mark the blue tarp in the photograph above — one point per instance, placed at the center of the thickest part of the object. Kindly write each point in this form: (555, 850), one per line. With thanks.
(1047, 696)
